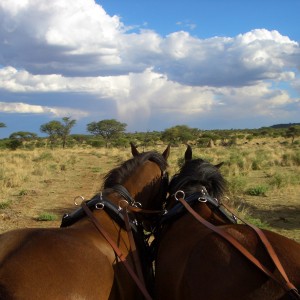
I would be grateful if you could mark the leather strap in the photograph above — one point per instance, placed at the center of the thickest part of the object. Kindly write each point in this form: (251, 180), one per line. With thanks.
(117, 251)
(287, 286)
(270, 251)
(145, 211)
(136, 259)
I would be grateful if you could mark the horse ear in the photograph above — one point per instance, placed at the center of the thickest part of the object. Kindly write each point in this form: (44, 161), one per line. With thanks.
(166, 153)
(134, 150)
(218, 166)
(188, 153)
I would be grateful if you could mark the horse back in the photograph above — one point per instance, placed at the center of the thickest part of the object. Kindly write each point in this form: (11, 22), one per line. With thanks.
(59, 264)
(201, 264)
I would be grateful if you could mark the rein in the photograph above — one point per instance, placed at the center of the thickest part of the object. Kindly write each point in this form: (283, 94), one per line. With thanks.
(286, 285)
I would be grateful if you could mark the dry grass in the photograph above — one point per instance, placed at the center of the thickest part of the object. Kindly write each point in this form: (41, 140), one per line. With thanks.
(45, 182)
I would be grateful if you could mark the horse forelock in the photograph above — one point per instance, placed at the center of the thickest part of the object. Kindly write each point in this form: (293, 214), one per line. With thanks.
(121, 173)
(196, 173)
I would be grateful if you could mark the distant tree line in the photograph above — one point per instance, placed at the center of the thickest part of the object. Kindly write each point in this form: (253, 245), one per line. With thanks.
(110, 132)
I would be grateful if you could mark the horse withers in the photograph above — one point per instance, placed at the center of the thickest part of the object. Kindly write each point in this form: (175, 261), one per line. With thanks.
(76, 261)
(194, 262)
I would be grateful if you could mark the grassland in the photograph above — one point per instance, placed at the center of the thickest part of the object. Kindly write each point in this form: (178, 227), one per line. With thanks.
(39, 186)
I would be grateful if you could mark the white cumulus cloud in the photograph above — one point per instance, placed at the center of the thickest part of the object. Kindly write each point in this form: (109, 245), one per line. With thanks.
(24, 108)
(74, 46)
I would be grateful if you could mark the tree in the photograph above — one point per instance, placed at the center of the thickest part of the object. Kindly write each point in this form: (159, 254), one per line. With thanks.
(107, 129)
(292, 132)
(23, 136)
(18, 138)
(52, 128)
(66, 129)
(180, 134)
(2, 125)
(57, 129)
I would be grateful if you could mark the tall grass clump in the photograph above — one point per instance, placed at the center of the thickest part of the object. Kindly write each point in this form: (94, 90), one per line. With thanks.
(278, 180)
(290, 157)
(236, 185)
(259, 190)
(46, 155)
(296, 158)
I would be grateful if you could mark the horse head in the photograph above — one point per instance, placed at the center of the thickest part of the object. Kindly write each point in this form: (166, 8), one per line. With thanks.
(141, 182)
(202, 184)
(142, 177)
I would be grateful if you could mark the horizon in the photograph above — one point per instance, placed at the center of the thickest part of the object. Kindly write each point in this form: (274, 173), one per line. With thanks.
(274, 126)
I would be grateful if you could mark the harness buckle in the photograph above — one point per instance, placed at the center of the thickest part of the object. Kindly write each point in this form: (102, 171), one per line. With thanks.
(122, 206)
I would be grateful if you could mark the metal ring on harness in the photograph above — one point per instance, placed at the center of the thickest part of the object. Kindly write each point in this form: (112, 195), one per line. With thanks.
(80, 197)
(202, 199)
(179, 194)
(99, 205)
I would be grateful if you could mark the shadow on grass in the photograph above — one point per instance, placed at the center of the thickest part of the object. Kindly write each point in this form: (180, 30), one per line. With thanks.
(277, 216)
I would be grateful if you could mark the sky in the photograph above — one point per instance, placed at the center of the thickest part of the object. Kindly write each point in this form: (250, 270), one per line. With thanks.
(207, 64)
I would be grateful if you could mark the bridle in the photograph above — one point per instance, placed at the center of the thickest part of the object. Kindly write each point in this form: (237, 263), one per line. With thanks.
(100, 201)
(202, 196)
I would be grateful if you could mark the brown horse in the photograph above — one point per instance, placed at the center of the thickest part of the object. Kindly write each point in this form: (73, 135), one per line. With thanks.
(76, 261)
(193, 262)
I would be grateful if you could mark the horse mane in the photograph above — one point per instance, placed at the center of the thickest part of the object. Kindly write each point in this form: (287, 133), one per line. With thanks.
(196, 173)
(119, 174)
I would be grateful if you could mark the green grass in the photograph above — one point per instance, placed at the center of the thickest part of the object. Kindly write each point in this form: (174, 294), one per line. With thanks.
(23, 193)
(47, 217)
(257, 222)
(259, 190)
(5, 204)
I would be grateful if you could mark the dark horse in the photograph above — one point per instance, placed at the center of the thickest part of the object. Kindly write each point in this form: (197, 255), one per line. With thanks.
(193, 262)
(76, 261)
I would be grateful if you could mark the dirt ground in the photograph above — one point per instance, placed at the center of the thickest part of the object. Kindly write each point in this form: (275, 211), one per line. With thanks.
(55, 195)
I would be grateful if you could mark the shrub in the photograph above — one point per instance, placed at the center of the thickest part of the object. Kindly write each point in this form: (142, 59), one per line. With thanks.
(278, 180)
(259, 190)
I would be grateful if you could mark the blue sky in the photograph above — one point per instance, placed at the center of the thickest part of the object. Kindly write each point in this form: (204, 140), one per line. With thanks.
(151, 64)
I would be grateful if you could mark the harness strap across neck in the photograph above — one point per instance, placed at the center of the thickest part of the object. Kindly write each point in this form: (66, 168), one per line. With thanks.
(287, 285)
